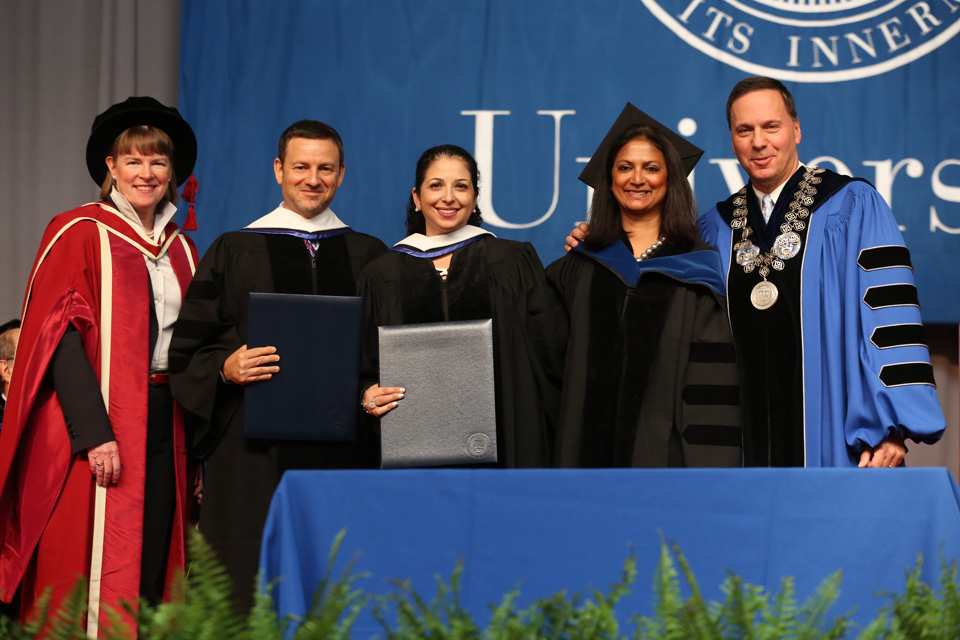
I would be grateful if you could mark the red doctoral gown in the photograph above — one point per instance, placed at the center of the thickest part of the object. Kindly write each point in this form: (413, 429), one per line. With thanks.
(55, 524)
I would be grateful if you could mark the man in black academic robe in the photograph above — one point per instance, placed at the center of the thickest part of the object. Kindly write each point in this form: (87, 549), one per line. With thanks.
(300, 248)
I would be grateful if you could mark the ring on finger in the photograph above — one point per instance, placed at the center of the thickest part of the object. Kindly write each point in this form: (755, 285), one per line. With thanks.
(372, 404)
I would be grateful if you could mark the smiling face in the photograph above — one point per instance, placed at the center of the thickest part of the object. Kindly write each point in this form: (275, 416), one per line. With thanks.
(446, 196)
(765, 138)
(142, 178)
(309, 175)
(638, 179)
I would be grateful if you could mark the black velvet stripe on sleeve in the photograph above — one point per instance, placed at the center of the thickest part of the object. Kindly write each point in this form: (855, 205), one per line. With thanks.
(717, 394)
(897, 375)
(898, 335)
(891, 295)
(884, 258)
(713, 352)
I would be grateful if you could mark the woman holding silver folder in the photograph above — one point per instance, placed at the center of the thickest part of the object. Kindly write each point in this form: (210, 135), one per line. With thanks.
(450, 269)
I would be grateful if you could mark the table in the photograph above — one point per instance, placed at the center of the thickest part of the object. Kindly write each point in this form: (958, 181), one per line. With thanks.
(547, 530)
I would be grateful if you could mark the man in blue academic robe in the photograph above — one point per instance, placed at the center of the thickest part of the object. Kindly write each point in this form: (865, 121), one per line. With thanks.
(822, 303)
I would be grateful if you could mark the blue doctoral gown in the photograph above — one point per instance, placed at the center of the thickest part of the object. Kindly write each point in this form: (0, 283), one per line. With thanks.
(865, 368)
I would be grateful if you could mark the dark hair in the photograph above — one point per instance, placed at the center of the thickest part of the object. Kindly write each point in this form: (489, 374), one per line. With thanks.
(146, 140)
(760, 83)
(312, 130)
(416, 223)
(678, 214)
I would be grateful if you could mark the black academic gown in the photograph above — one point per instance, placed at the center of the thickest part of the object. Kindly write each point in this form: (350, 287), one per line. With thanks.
(488, 278)
(650, 375)
(242, 474)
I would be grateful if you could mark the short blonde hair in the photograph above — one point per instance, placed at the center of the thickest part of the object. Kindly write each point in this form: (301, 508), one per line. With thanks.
(146, 140)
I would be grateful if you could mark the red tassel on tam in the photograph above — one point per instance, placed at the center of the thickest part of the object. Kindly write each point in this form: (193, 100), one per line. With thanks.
(190, 195)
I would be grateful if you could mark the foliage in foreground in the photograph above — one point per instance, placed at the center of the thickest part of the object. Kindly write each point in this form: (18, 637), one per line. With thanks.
(203, 609)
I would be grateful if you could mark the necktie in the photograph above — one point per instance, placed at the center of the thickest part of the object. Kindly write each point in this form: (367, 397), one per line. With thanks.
(766, 207)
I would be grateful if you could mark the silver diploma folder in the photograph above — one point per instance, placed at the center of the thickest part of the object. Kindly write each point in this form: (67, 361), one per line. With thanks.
(448, 413)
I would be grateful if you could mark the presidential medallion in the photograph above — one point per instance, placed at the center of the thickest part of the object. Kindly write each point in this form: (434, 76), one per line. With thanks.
(764, 295)
(747, 254)
(787, 245)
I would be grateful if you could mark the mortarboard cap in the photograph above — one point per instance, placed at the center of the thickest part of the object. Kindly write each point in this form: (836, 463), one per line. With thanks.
(141, 110)
(630, 116)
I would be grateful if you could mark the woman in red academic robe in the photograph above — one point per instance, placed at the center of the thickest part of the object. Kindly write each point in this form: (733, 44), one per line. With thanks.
(93, 478)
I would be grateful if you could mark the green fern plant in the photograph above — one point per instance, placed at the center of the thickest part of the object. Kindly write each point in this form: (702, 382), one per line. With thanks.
(748, 612)
(336, 604)
(10, 628)
(406, 615)
(920, 613)
(202, 608)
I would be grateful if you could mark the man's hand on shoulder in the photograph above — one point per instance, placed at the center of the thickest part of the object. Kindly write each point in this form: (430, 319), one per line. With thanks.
(577, 236)
(251, 365)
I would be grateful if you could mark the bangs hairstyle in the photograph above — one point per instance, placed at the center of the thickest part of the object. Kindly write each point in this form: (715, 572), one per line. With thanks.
(678, 213)
(144, 140)
(416, 223)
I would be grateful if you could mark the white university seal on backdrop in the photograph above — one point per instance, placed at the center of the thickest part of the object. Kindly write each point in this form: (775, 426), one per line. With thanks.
(812, 40)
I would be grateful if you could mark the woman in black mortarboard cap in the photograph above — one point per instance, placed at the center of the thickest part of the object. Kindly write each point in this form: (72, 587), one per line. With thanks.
(650, 377)
(448, 268)
(93, 477)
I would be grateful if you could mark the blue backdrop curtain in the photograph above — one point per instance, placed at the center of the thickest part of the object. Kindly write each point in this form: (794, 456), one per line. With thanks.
(531, 88)
(398, 77)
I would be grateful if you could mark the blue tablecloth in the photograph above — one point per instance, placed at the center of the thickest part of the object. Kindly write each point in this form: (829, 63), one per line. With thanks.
(548, 530)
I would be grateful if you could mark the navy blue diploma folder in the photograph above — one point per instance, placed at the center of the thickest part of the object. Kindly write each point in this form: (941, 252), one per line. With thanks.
(315, 394)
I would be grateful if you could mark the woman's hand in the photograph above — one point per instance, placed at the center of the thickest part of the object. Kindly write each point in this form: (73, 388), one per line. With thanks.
(251, 365)
(104, 462)
(576, 236)
(198, 484)
(378, 400)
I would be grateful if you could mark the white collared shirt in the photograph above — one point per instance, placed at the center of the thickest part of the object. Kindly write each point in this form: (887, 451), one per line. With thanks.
(775, 194)
(163, 280)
